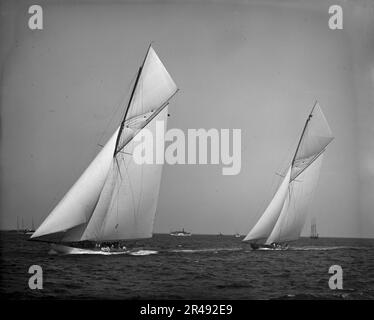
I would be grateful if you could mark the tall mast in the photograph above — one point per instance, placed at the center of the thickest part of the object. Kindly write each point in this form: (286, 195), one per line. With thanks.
(302, 134)
(130, 100)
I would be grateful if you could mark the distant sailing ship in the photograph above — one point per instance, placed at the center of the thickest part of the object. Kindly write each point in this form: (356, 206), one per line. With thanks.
(32, 230)
(285, 216)
(115, 199)
(23, 229)
(181, 233)
(313, 230)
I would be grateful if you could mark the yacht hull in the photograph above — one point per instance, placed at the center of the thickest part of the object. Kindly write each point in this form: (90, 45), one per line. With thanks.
(276, 246)
(62, 249)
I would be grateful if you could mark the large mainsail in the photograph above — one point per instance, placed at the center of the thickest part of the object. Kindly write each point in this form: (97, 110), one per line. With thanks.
(127, 204)
(266, 223)
(295, 208)
(285, 216)
(116, 198)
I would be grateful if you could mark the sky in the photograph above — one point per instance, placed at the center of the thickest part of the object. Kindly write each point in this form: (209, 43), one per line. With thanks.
(256, 66)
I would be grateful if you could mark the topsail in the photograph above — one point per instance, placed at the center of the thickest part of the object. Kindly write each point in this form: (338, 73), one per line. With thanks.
(116, 198)
(285, 216)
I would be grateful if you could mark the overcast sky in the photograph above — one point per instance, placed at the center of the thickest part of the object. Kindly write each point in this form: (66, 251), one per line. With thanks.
(254, 66)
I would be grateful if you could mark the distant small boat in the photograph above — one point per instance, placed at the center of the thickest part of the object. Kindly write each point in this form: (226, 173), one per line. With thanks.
(180, 233)
(237, 235)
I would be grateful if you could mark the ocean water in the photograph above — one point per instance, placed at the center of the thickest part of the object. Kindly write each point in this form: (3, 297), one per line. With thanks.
(196, 267)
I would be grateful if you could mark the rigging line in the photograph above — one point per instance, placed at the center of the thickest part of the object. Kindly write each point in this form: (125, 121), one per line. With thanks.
(295, 200)
(128, 153)
(124, 161)
(141, 95)
(131, 98)
(94, 208)
(155, 113)
(120, 104)
(96, 227)
(292, 202)
(119, 170)
(127, 110)
(141, 190)
(130, 187)
(281, 223)
(280, 218)
(104, 220)
(302, 134)
(135, 119)
(116, 198)
(311, 161)
(117, 206)
(142, 167)
(100, 227)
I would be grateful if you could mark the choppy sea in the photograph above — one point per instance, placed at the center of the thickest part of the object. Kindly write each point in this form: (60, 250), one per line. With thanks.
(196, 267)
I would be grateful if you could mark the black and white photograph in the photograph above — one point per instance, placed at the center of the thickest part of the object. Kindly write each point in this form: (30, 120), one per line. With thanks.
(184, 150)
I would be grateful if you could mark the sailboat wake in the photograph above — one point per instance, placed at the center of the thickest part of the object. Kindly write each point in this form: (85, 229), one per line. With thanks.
(320, 248)
(215, 250)
(86, 252)
(78, 251)
(142, 252)
(270, 249)
(64, 250)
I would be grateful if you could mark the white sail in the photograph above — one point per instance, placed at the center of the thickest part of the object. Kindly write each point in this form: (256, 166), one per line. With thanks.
(266, 223)
(300, 193)
(316, 136)
(127, 205)
(285, 216)
(76, 207)
(155, 87)
(115, 198)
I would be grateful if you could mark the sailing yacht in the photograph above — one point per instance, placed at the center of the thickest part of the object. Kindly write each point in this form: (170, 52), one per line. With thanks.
(313, 230)
(284, 217)
(115, 199)
(180, 233)
(24, 230)
(32, 230)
